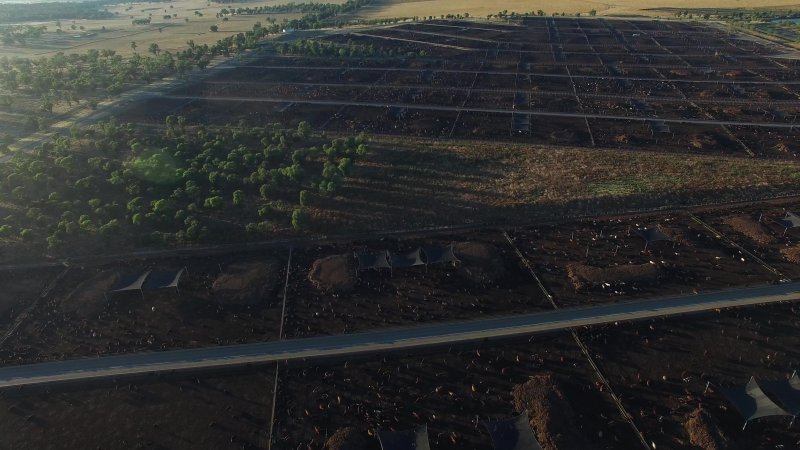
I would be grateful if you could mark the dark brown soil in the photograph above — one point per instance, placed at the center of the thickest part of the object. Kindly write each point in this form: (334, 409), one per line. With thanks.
(221, 412)
(584, 276)
(88, 299)
(347, 438)
(248, 283)
(481, 264)
(749, 228)
(333, 273)
(552, 416)
(704, 433)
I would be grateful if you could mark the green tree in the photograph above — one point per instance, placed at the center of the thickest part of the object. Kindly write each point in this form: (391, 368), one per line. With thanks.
(300, 219)
(214, 202)
(305, 198)
(238, 198)
(213, 28)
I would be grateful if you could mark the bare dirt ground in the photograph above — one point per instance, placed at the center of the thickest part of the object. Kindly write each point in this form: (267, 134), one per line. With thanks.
(21, 291)
(81, 316)
(478, 285)
(450, 391)
(219, 411)
(660, 370)
(605, 260)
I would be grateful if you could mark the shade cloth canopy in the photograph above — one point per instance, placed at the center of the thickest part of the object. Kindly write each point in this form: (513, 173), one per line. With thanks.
(130, 281)
(752, 402)
(439, 255)
(374, 260)
(415, 439)
(652, 235)
(790, 220)
(164, 279)
(410, 259)
(787, 391)
(514, 433)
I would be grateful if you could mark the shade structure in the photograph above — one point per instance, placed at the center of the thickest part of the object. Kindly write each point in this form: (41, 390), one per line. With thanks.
(752, 402)
(410, 259)
(439, 255)
(374, 260)
(414, 439)
(790, 220)
(652, 235)
(130, 281)
(514, 433)
(164, 279)
(787, 391)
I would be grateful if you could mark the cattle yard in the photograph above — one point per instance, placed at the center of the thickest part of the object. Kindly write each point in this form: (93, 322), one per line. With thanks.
(667, 86)
(659, 86)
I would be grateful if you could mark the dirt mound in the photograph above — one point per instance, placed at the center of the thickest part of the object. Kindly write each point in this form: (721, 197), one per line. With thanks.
(584, 276)
(552, 417)
(88, 299)
(750, 228)
(333, 273)
(347, 439)
(481, 264)
(248, 282)
(704, 433)
(791, 254)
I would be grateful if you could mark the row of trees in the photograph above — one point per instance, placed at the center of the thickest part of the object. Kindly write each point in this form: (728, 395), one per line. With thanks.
(184, 184)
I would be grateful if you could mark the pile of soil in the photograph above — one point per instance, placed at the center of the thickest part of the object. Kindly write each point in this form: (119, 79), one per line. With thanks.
(704, 433)
(248, 283)
(584, 276)
(333, 273)
(750, 228)
(482, 264)
(552, 417)
(347, 439)
(88, 299)
(781, 147)
(791, 254)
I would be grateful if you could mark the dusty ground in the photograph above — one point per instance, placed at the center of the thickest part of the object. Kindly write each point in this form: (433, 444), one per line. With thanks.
(219, 411)
(660, 370)
(451, 391)
(81, 317)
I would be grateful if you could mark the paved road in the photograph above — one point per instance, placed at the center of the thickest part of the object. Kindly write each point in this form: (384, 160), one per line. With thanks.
(412, 106)
(407, 338)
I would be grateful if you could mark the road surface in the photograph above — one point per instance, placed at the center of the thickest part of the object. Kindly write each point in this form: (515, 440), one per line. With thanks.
(408, 338)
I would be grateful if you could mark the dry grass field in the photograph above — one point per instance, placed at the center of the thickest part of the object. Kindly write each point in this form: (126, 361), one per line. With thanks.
(479, 8)
(170, 34)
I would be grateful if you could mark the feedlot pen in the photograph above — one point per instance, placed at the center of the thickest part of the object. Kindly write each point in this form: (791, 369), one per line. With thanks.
(667, 86)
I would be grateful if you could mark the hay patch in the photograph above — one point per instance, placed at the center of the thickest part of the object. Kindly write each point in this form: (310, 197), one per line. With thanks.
(248, 283)
(791, 254)
(750, 228)
(333, 273)
(704, 433)
(482, 264)
(584, 276)
(88, 298)
(552, 416)
(347, 438)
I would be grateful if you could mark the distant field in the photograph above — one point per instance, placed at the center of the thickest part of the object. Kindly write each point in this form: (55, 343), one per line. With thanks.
(480, 8)
(173, 34)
